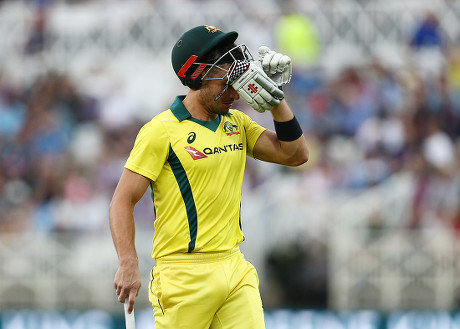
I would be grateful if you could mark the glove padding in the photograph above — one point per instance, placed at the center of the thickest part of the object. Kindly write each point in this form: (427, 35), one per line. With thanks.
(276, 65)
(261, 93)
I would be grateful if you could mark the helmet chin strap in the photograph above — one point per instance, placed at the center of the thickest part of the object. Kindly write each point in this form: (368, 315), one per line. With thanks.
(219, 95)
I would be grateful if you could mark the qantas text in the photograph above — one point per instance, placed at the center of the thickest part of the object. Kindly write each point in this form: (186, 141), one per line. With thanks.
(220, 149)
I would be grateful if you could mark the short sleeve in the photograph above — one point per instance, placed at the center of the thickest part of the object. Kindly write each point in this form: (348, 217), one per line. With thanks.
(150, 150)
(253, 132)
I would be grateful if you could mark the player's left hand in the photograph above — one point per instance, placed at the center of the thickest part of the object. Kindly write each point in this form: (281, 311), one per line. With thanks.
(276, 65)
(261, 93)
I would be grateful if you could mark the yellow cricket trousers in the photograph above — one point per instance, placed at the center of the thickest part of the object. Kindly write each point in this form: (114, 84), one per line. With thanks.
(218, 290)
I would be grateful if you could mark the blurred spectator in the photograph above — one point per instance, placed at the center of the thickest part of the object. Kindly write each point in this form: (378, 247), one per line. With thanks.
(353, 100)
(438, 149)
(296, 35)
(381, 133)
(453, 71)
(301, 271)
(428, 33)
(38, 35)
(429, 46)
(12, 110)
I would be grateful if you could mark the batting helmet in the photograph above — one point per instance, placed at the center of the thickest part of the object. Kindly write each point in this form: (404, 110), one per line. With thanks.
(191, 47)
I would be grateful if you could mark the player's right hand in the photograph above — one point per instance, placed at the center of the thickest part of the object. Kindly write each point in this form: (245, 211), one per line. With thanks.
(256, 88)
(127, 283)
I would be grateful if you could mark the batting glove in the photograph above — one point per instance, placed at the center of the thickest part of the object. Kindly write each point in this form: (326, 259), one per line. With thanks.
(277, 66)
(256, 88)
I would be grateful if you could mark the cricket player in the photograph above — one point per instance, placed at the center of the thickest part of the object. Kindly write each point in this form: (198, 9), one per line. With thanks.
(193, 156)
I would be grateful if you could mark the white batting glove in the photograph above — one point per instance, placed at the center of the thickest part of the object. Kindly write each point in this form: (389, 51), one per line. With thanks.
(261, 93)
(276, 65)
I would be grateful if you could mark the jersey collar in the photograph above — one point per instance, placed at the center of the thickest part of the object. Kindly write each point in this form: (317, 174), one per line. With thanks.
(179, 110)
(181, 114)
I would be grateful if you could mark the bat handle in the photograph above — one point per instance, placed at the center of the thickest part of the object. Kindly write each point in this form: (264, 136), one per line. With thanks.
(129, 318)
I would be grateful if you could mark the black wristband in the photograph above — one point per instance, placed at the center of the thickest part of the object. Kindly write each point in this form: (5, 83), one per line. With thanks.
(288, 131)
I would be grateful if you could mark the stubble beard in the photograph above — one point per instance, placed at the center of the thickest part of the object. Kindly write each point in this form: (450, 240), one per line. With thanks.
(211, 105)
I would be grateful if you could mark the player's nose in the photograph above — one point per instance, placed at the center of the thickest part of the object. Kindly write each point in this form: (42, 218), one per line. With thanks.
(233, 93)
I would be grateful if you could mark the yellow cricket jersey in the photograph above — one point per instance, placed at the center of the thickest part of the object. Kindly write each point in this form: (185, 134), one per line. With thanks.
(196, 168)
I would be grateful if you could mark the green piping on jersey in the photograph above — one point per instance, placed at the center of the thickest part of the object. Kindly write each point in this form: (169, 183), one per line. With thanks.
(239, 222)
(186, 192)
(153, 199)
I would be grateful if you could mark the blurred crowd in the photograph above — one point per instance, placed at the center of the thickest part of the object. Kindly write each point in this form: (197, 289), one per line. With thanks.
(369, 123)
(365, 124)
(369, 120)
(62, 149)
(60, 162)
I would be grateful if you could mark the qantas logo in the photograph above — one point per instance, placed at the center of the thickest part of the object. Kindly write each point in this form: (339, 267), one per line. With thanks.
(194, 153)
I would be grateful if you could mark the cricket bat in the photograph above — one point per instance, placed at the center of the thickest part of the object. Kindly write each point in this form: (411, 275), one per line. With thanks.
(129, 318)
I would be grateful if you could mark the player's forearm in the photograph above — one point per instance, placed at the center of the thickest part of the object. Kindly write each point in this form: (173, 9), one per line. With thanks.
(122, 227)
(129, 191)
(282, 112)
(296, 150)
